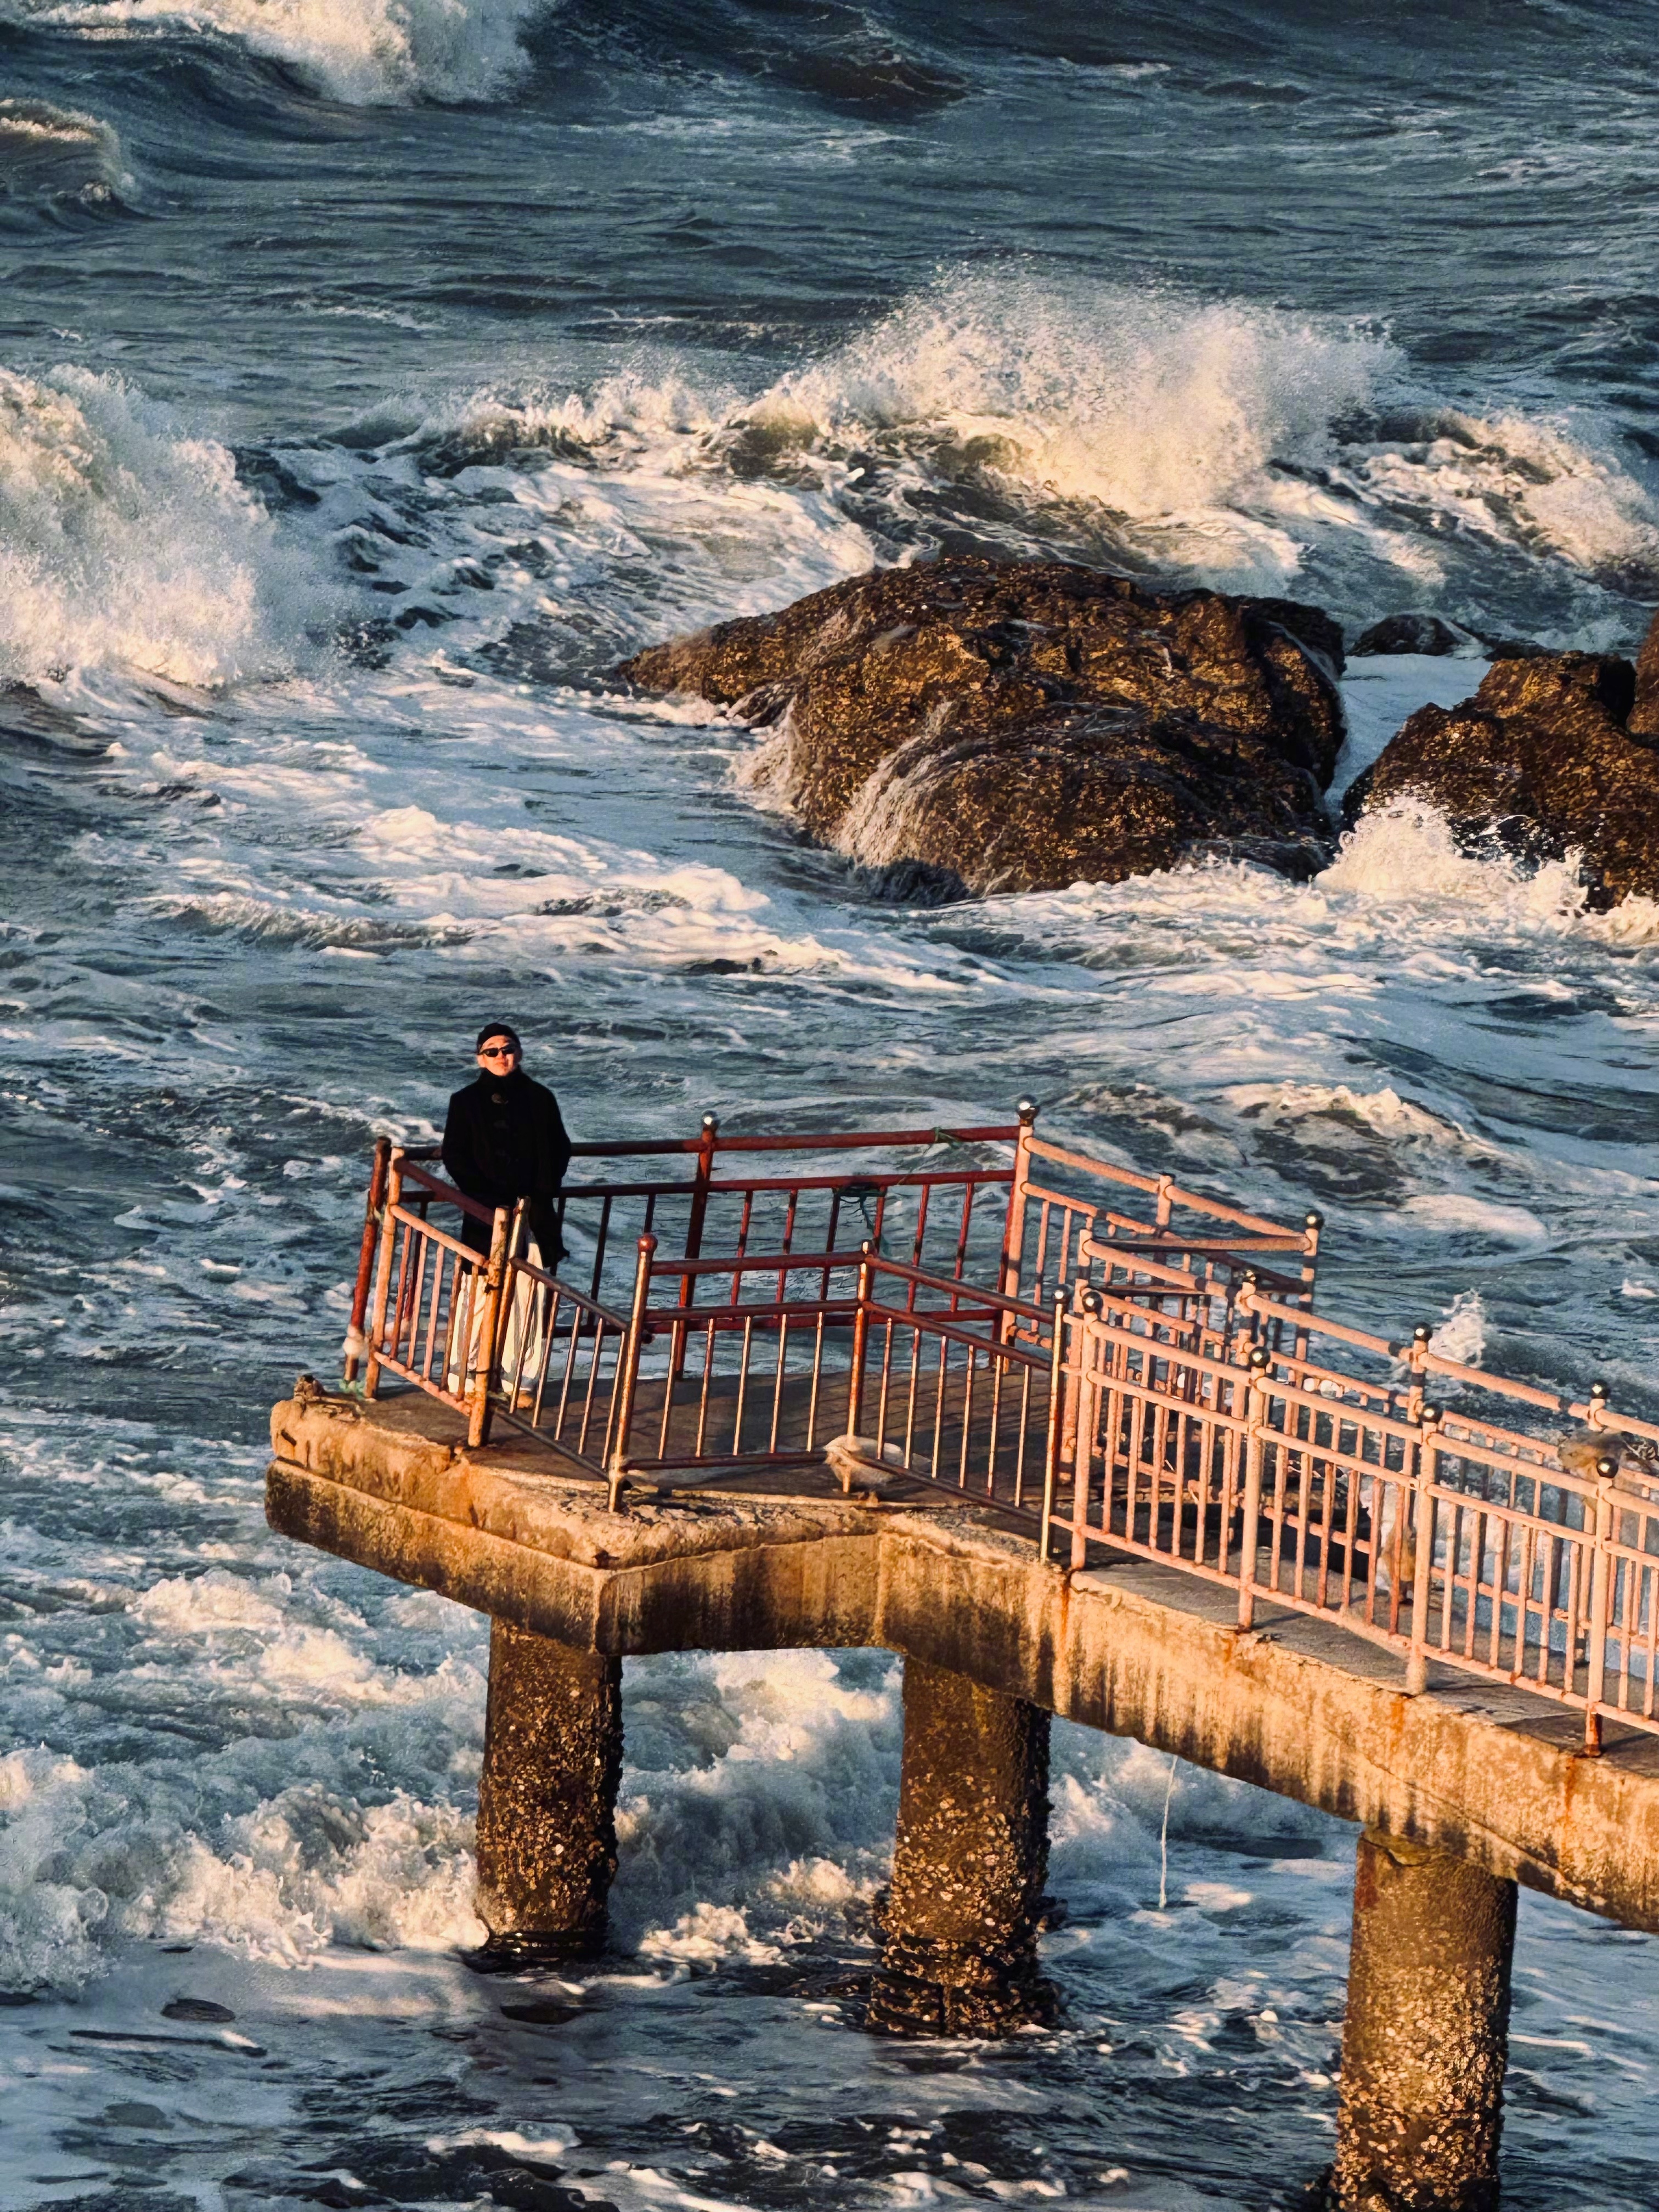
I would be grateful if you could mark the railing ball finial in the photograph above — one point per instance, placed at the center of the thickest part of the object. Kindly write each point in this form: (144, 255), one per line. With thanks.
(1605, 1467)
(1259, 1357)
(1314, 1218)
(1422, 1333)
(711, 1122)
(1091, 1302)
(1599, 1390)
(1026, 1109)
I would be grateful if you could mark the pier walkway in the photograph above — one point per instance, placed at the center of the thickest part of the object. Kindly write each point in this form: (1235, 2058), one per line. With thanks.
(1071, 1440)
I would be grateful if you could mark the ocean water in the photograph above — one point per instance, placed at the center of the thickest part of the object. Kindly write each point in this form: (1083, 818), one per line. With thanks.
(373, 373)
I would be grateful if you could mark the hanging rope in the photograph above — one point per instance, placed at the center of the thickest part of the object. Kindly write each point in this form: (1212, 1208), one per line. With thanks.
(1163, 1841)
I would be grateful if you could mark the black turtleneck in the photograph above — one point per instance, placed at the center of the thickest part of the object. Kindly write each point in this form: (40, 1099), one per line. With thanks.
(504, 1139)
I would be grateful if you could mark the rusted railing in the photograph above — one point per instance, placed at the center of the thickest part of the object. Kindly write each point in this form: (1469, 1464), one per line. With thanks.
(1117, 1363)
(1441, 1531)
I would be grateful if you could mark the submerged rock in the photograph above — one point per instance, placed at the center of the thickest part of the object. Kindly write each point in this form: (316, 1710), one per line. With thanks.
(1544, 760)
(1023, 725)
(1415, 632)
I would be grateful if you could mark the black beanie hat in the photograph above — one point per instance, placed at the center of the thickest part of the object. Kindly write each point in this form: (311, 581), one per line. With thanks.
(496, 1028)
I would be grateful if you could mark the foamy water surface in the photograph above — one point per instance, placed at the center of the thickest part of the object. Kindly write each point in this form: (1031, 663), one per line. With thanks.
(371, 380)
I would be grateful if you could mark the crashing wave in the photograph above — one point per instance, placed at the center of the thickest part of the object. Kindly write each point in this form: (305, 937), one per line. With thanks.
(364, 53)
(125, 544)
(58, 153)
(1223, 441)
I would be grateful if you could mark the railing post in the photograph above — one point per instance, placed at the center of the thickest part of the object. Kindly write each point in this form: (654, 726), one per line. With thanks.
(1068, 1417)
(1600, 1596)
(1242, 1343)
(1256, 1418)
(860, 1341)
(1014, 1233)
(630, 1372)
(1312, 1223)
(484, 1344)
(1051, 1451)
(1417, 1667)
(355, 1345)
(394, 1192)
(701, 1176)
(1413, 1355)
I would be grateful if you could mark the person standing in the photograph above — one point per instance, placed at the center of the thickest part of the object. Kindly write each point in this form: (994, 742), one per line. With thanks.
(504, 1141)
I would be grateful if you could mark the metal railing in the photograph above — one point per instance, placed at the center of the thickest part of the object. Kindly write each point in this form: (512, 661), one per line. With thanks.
(1439, 1530)
(1117, 1363)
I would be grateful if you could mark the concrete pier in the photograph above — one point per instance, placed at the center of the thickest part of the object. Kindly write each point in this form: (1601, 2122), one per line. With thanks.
(1476, 1769)
(959, 1950)
(1426, 2035)
(1466, 1784)
(547, 1797)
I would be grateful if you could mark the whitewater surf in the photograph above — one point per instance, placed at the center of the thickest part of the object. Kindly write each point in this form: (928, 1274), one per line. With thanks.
(373, 378)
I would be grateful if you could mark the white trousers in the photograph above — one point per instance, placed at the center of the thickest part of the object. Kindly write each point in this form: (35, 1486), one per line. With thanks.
(521, 1336)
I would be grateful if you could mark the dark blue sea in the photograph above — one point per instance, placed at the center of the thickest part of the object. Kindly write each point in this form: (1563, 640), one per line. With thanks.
(374, 376)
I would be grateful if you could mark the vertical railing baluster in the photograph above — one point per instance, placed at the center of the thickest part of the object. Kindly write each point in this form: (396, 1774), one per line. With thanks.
(1051, 1450)
(1427, 1474)
(1256, 1417)
(1600, 1578)
(618, 1472)
(860, 1343)
(374, 1218)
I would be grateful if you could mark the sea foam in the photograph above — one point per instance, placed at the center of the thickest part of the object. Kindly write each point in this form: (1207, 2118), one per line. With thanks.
(1217, 440)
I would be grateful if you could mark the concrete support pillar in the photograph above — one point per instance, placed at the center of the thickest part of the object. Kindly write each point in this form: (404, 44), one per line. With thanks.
(547, 1798)
(959, 1953)
(1426, 2035)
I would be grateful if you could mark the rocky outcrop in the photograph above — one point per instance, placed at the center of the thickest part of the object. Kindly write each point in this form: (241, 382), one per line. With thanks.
(1022, 724)
(1546, 758)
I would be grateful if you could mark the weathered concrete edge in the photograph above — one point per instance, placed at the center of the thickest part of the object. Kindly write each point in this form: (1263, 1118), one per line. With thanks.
(1244, 1706)
(1111, 1658)
(771, 1596)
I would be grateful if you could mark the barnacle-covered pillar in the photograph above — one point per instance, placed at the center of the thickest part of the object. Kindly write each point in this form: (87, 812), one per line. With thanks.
(1427, 2036)
(547, 1797)
(960, 1928)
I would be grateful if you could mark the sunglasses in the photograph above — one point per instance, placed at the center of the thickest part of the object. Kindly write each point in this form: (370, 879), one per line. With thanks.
(498, 1052)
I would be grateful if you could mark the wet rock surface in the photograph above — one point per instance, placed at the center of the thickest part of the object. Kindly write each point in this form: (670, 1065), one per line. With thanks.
(1081, 794)
(1033, 722)
(1555, 754)
(1644, 714)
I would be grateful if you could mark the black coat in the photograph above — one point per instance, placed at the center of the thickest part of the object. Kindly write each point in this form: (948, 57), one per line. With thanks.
(504, 1141)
